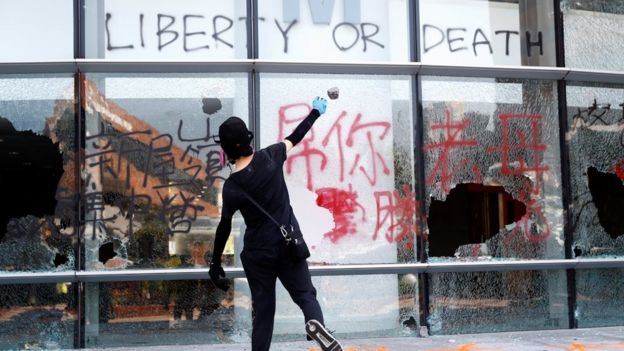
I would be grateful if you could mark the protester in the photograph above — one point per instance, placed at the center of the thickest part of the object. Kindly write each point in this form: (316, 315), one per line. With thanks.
(273, 246)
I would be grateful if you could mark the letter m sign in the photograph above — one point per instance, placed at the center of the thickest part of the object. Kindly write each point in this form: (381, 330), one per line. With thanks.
(322, 10)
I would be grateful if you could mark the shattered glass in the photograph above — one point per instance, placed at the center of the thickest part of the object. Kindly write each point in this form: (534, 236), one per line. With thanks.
(37, 173)
(599, 297)
(593, 35)
(481, 302)
(495, 144)
(152, 171)
(186, 312)
(38, 316)
(596, 142)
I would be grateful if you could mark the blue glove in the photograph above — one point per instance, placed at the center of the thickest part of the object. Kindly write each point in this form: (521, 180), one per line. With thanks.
(319, 104)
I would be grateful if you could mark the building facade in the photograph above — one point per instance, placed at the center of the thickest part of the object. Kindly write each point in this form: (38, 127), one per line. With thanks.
(469, 178)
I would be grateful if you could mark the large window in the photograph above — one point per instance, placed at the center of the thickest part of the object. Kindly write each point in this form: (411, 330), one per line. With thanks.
(153, 171)
(479, 189)
(492, 169)
(37, 173)
(36, 30)
(484, 33)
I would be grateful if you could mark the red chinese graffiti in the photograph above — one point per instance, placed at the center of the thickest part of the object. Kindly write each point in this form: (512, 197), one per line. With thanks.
(533, 225)
(453, 134)
(343, 134)
(399, 215)
(343, 204)
(521, 146)
(619, 170)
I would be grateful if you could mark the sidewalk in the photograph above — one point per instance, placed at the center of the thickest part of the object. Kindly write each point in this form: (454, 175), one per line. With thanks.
(598, 339)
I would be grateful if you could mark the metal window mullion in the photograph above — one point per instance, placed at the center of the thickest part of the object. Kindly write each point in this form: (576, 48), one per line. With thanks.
(419, 165)
(564, 153)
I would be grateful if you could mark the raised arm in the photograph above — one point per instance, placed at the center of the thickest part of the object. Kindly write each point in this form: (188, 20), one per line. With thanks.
(319, 105)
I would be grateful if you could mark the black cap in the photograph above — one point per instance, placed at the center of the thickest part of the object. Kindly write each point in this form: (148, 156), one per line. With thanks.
(235, 138)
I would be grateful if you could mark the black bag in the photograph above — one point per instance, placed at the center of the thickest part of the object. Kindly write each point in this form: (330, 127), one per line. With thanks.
(296, 247)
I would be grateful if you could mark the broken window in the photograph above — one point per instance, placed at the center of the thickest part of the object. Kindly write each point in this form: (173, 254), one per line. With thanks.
(470, 216)
(596, 142)
(479, 302)
(492, 173)
(599, 297)
(153, 171)
(37, 173)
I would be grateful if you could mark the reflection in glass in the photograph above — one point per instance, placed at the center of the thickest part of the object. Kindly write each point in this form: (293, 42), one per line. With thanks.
(152, 171)
(486, 33)
(37, 173)
(480, 302)
(492, 169)
(596, 141)
(37, 317)
(195, 312)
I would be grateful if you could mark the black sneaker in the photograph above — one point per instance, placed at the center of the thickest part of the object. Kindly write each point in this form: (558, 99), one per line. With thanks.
(322, 336)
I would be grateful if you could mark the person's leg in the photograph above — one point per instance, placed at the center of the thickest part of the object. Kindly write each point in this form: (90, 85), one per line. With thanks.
(261, 279)
(296, 278)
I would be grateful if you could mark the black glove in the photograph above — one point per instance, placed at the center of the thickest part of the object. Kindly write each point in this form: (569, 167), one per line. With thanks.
(216, 274)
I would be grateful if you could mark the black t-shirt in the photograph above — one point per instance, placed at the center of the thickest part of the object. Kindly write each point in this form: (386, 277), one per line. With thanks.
(263, 180)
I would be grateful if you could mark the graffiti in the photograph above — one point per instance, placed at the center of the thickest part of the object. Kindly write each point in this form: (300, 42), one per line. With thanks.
(510, 149)
(452, 141)
(619, 169)
(398, 216)
(193, 31)
(595, 118)
(134, 172)
(342, 134)
(455, 37)
(343, 204)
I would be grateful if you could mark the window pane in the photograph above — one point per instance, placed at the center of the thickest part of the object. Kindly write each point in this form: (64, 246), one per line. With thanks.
(485, 33)
(36, 30)
(492, 169)
(596, 141)
(592, 40)
(37, 317)
(343, 30)
(37, 173)
(165, 30)
(153, 172)
(480, 302)
(599, 297)
(195, 312)
(351, 179)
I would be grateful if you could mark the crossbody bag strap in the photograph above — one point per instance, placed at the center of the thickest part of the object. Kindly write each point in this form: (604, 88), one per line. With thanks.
(280, 226)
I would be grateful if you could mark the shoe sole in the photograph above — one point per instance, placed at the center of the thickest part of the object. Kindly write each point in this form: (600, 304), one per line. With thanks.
(319, 334)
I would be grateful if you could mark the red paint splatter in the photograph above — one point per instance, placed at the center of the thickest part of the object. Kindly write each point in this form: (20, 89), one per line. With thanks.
(452, 141)
(619, 170)
(343, 205)
(533, 225)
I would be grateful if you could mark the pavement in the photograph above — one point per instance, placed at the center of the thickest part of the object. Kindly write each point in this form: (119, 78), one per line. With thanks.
(593, 339)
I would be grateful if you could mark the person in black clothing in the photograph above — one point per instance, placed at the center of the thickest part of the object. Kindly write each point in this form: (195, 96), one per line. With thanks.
(264, 256)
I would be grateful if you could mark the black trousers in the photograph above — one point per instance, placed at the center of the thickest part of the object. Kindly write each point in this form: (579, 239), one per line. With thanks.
(262, 268)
